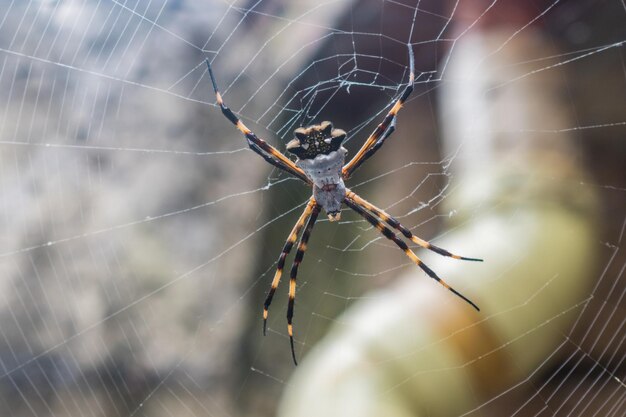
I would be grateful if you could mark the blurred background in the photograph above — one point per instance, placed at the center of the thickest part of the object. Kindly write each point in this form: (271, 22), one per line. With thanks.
(140, 235)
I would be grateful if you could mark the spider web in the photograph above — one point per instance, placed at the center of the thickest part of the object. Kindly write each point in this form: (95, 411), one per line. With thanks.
(139, 233)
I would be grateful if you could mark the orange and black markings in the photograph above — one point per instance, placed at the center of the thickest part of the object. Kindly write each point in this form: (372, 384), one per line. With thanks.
(389, 234)
(291, 239)
(393, 222)
(384, 129)
(243, 128)
(268, 152)
(294, 273)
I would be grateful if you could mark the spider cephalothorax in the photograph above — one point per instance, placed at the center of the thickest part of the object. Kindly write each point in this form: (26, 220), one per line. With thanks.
(320, 164)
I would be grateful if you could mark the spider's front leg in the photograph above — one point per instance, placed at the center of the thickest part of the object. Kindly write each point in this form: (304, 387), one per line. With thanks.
(310, 213)
(302, 247)
(389, 234)
(291, 239)
(393, 222)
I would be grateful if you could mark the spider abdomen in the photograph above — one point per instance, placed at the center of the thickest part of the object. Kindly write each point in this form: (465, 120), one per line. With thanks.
(324, 169)
(328, 187)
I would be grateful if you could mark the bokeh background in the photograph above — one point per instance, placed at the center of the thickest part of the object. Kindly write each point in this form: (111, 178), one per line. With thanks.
(139, 234)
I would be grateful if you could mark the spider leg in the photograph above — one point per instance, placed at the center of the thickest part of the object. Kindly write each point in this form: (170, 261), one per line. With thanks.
(389, 234)
(372, 150)
(291, 239)
(384, 129)
(393, 222)
(258, 145)
(302, 247)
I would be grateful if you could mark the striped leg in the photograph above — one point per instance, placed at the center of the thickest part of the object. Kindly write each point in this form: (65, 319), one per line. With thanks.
(406, 232)
(302, 247)
(384, 129)
(378, 144)
(291, 239)
(258, 145)
(389, 234)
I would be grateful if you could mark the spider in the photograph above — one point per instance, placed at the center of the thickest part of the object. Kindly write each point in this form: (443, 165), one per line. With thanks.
(320, 164)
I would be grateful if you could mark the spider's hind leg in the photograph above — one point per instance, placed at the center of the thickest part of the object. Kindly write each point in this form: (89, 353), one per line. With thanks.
(385, 128)
(258, 145)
